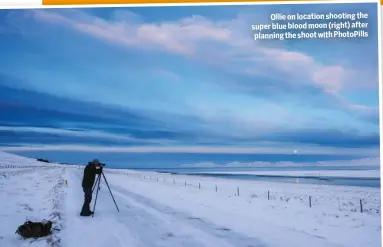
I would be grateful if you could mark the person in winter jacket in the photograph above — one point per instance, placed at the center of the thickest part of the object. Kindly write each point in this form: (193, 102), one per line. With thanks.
(90, 171)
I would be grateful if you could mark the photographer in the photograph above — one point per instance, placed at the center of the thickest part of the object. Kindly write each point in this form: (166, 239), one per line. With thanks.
(90, 171)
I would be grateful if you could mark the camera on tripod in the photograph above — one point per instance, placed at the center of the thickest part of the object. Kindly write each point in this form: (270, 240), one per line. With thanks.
(100, 167)
(96, 186)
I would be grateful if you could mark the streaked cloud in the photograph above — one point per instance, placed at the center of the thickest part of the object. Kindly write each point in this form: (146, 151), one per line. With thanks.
(193, 149)
(191, 80)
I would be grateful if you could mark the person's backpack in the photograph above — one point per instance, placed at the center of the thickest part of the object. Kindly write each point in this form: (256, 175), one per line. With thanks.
(35, 229)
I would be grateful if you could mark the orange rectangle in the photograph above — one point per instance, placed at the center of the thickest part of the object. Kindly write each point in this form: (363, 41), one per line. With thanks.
(94, 2)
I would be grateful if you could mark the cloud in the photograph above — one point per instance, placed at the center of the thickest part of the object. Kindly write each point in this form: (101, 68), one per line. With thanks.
(225, 44)
(56, 121)
(191, 36)
(68, 133)
(193, 149)
(41, 109)
(373, 162)
(178, 37)
(289, 89)
(23, 136)
(167, 75)
(326, 137)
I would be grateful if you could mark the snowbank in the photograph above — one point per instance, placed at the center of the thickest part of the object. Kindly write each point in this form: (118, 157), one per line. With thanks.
(33, 194)
(11, 161)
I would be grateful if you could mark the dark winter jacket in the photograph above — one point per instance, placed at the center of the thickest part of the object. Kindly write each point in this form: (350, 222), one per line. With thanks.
(90, 172)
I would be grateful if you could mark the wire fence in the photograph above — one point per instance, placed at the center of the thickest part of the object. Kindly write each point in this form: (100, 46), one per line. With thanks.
(12, 170)
(17, 166)
(8, 166)
(364, 202)
(7, 173)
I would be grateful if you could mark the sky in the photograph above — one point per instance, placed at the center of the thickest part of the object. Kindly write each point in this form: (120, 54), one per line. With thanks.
(184, 79)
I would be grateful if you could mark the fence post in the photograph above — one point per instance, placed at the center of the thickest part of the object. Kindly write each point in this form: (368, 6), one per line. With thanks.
(157, 179)
(199, 185)
(238, 191)
(268, 195)
(174, 182)
(361, 206)
(185, 183)
(310, 200)
(216, 188)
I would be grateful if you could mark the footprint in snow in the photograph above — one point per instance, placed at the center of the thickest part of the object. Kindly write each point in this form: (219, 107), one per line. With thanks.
(193, 218)
(167, 235)
(224, 229)
(26, 207)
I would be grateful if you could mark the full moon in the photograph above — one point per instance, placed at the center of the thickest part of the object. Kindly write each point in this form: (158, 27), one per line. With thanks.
(295, 151)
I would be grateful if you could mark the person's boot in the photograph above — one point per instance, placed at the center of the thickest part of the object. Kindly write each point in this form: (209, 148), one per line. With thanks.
(85, 211)
(85, 214)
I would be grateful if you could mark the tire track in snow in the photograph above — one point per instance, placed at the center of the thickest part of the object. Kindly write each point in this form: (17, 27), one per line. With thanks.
(152, 210)
(149, 224)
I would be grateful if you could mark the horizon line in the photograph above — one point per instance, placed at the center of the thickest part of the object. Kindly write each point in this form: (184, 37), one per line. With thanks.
(201, 150)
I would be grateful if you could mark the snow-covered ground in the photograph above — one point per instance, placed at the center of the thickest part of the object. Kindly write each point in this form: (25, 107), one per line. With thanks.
(316, 173)
(159, 210)
(10, 161)
(30, 194)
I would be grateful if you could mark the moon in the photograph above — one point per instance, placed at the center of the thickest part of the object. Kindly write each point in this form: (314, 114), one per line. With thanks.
(295, 151)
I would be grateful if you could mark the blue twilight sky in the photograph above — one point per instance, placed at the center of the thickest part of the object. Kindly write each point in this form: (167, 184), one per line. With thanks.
(184, 79)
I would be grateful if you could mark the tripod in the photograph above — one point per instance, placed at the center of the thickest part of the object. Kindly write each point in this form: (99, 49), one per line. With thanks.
(97, 183)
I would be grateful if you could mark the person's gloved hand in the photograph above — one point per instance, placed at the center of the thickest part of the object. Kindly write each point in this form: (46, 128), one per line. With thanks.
(100, 167)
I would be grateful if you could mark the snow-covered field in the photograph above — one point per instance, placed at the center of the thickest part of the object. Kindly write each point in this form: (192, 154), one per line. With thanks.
(30, 194)
(12, 161)
(316, 173)
(159, 210)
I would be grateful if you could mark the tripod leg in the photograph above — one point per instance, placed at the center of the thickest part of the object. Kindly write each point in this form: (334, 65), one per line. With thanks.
(98, 177)
(110, 191)
(95, 200)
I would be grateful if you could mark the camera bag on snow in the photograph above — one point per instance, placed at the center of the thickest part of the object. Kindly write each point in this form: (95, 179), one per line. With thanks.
(35, 229)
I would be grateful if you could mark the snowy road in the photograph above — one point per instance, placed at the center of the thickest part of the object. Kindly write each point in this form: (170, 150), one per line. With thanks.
(142, 222)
